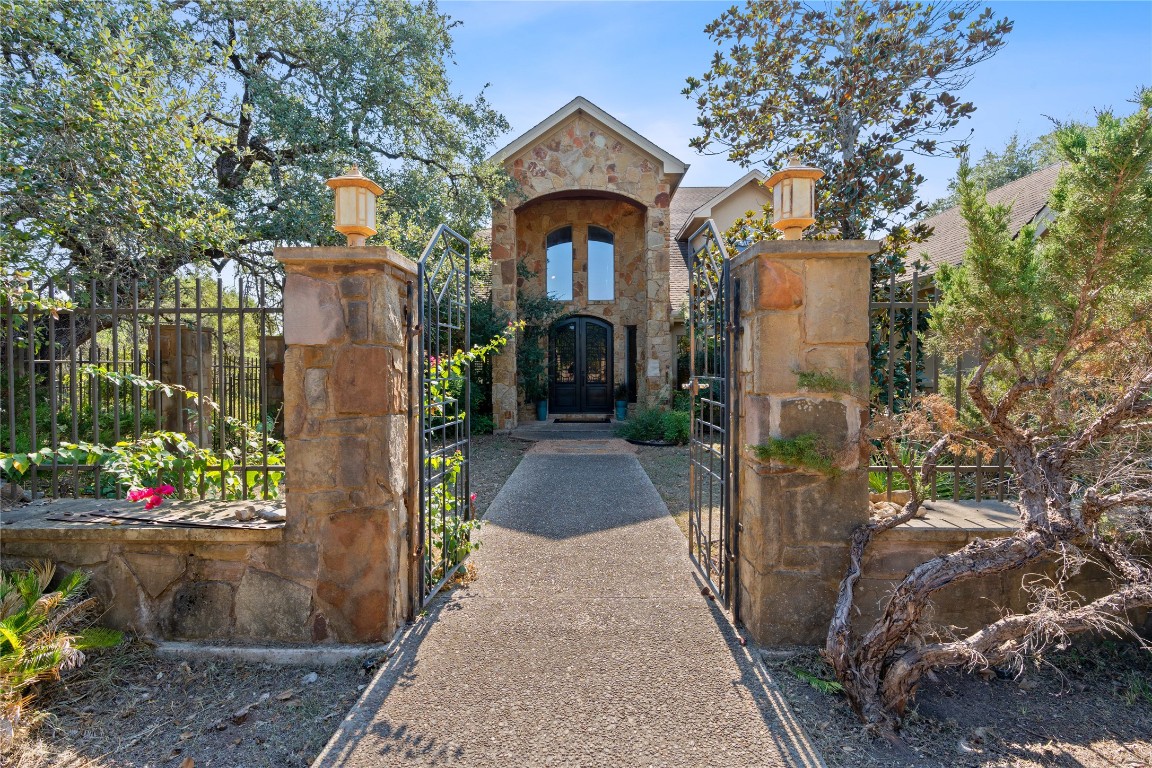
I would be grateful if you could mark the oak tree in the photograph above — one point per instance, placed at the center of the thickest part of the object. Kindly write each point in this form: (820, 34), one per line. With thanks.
(142, 135)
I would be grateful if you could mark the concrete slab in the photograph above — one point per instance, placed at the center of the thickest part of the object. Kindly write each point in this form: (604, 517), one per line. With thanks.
(585, 641)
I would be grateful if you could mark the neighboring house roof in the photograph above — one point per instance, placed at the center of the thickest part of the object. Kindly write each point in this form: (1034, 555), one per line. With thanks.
(1028, 197)
(703, 212)
(684, 203)
(672, 164)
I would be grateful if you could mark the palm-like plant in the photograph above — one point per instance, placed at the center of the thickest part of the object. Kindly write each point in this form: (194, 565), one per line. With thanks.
(42, 633)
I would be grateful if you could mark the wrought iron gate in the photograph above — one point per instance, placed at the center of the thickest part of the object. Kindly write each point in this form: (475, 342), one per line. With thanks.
(712, 471)
(443, 390)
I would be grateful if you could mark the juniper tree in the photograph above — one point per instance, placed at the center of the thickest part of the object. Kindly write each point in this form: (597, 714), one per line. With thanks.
(1061, 331)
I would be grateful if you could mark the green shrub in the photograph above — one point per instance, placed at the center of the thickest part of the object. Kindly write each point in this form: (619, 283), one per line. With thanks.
(656, 425)
(42, 633)
(677, 427)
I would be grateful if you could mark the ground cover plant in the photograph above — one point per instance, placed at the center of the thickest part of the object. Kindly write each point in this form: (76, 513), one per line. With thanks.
(1061, 329)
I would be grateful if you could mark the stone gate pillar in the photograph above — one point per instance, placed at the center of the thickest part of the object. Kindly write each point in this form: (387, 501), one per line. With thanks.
(505, 398)
(803, 310)
(185, 358)
(346, 435)
(273, 381)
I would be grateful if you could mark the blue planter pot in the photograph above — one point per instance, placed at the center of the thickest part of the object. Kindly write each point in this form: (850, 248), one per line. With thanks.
(542, 410)
(621, 410)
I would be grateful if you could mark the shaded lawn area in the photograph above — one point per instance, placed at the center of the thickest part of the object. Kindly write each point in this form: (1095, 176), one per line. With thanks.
(494, 459)
(667, 467)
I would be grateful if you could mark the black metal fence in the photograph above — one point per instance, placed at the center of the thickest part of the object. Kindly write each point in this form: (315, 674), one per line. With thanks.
(903, 371)
(176, 381)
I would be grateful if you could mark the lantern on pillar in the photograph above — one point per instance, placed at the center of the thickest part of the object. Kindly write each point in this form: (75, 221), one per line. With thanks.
(794, 197)
(355, 205)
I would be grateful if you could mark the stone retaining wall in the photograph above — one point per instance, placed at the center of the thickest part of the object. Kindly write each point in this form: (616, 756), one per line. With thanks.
(182, 583)
(967, 606)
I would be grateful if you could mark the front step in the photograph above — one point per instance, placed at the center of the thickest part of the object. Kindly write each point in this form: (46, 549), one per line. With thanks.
(534, 431)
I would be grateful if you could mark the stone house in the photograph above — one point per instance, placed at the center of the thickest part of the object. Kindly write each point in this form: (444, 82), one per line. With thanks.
(601, 222)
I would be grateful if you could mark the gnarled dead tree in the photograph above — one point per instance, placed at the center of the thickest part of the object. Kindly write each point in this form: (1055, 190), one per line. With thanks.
(1062, 332)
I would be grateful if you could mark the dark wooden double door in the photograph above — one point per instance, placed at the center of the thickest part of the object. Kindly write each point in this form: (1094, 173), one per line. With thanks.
(580, 366)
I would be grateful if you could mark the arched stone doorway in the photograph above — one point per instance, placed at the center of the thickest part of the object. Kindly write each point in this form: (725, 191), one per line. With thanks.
(580, 366)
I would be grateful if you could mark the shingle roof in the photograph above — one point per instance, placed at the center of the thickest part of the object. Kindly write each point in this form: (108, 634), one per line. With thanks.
(1028, 196)
(684, 202)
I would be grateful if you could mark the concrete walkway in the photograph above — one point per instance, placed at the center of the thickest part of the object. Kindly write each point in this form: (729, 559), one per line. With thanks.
(585, 641)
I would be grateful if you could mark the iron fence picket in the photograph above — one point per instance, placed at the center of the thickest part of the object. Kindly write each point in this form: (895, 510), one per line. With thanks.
(44, 358)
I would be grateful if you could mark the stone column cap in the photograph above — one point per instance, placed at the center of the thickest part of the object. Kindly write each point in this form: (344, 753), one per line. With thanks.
(808, 249)
(324, 255)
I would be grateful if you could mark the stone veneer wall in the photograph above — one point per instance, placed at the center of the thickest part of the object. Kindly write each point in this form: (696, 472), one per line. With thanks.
(183, 583)
(626, 222)
(582, 157)
(804, 307)
(969, 605)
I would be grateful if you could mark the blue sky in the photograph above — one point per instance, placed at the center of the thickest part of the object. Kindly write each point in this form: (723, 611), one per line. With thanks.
(1063, 59)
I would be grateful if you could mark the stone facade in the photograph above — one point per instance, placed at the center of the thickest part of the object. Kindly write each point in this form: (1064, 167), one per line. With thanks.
(804, 308)
(630, 305)
(582, 171)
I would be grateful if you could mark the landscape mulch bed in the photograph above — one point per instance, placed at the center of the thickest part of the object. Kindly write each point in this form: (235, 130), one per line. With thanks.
(1087, 707)
(128, 708)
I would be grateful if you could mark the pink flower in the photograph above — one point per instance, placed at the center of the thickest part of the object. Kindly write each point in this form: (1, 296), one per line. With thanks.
(152, 497)
(472, 498)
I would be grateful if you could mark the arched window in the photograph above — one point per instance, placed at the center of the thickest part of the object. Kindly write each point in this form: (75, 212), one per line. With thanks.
(559, 248)
(601, 265)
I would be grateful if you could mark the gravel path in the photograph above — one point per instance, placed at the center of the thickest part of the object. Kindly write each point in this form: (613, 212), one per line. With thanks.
(585, 641)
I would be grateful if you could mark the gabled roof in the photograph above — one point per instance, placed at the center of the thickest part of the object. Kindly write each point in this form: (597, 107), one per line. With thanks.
(704, 210)
(1028, 197)
(672, 164)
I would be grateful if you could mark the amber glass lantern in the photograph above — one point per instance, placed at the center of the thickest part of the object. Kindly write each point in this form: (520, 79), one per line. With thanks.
(355, 205)
(794, 198)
